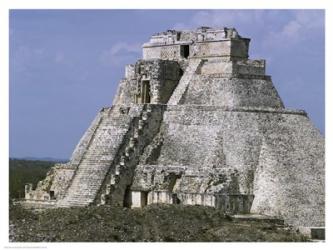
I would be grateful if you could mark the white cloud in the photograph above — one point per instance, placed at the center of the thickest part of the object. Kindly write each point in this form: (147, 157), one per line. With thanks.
(118, 47)
(271, 27)
(221, 18)
(120, 53)
(302, 25)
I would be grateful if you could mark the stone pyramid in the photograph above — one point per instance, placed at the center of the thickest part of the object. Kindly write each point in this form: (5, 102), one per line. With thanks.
(196, 122)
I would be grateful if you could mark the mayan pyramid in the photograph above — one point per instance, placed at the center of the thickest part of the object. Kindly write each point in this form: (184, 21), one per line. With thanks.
(196, 122)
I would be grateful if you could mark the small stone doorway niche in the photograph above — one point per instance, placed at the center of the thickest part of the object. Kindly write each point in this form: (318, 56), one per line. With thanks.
(127, 197)
(52, 197)
(144, 94)
(175, 199)
(145, 91)
(185, 51)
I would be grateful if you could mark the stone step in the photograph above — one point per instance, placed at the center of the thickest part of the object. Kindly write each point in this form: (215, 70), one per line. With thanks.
(100, 149)
(91, 182)
(184, 82)
(88, 173)
(73, 204)
(115, 130)
(77, 202)
(86, 183)
(90, 162)
(78, 197)
(96, 156)
(90, 157)
(88, 169)
(257, 217)
(97, 144)
(91, 188)
(97, 160)
(94, 166)
(100, 153)
(83, 189)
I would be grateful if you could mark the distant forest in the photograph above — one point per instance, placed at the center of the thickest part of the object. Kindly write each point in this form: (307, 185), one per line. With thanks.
(26, 171)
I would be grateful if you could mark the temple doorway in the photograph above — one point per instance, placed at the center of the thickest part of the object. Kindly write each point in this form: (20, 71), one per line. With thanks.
(185, 51)
(145, 94)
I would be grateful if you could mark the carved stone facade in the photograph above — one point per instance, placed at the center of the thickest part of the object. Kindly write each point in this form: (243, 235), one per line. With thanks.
(197, 122)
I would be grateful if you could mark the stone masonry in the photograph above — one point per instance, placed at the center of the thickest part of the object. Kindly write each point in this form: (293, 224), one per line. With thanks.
(196, 122)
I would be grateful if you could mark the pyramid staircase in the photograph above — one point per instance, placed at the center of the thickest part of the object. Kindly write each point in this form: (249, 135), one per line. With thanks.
(121, 175)
(192, 68)
(97, 159)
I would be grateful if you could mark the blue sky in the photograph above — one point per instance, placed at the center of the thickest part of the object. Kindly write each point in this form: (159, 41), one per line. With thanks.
(65, 64)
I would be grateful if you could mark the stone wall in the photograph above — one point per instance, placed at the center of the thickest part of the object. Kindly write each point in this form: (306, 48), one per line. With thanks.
(186, 179)
(233, 68)
(231, 92)
(53, 186)
(278, 155)
(61, 180)
(290, 175)
(205, 42)
(125, 92)
(230, 49)
(227, 203)
(161, 75)
(227, 48)
(116, 184)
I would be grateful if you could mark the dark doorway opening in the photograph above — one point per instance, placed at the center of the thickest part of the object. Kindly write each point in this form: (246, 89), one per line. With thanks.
(127, 197)
(144, 199)
(178, 36)
(181, 73)
(175, 199)
(145, 92)
(185, 51)
(52, 197)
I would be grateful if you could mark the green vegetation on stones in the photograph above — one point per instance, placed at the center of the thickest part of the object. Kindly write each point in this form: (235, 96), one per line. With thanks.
(26, 171)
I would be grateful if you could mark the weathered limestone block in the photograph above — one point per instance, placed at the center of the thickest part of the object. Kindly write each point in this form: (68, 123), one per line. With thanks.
(54, 185)
(35, 195)
(178, 94)
(159, 197)
(130, 71)
(139, 198)
(249, 67)
(28, 191)
(289, 179)
(231, 92)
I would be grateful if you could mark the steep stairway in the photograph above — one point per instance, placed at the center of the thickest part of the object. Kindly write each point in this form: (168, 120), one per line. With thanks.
(141, 134)
(97, 160)
(183, 84)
